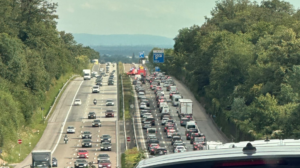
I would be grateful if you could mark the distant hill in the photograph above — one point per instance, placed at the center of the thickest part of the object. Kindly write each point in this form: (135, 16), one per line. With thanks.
(124, 50)
(124, 40)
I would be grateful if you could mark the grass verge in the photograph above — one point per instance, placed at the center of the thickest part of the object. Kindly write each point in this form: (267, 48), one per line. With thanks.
(131, 157)
(120, 72)
(31, 134)
(128, 95)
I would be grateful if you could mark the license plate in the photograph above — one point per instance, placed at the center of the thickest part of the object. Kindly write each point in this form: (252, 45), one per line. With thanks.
(86, 145)
(82, 156)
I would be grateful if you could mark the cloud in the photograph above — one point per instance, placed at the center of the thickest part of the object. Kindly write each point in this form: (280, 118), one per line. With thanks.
(86, 5)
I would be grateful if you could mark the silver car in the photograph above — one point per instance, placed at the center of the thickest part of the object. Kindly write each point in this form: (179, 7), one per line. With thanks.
(110, 103)
(179, 149)
(70, 129)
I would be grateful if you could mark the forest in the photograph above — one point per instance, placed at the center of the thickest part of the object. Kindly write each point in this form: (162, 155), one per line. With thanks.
(243, 65)
(33, 55)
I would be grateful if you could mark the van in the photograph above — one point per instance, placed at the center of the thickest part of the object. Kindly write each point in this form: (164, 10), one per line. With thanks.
(190, 124)
(175, 99)
(165, 109)
(173, 88)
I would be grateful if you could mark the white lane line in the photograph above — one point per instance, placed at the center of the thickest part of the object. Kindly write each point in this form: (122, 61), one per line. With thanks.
(66, 119)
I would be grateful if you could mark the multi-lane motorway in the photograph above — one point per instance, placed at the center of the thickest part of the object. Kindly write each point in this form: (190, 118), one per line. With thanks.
(66, 114)
(204, 123)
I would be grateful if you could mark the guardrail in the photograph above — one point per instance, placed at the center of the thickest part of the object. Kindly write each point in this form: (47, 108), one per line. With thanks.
(60, 91)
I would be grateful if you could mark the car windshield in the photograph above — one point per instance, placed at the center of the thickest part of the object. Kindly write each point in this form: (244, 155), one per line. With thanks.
(95, 87)
(82, 151)
(103, 155)
(77, 100)
(104, 161)
(96, 120)
(70, 127)
(109, 100)
(87, 132)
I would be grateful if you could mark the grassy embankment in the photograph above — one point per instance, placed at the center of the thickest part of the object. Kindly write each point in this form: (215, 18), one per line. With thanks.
(120, 72)
(31, 134)
(131, 157)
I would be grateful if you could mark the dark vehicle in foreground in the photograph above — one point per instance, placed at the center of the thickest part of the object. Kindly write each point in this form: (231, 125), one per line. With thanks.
(105, 138)
(54, 162)
(86, 135)
(104, 163)
(160, 151)
(103, 156)
(86, 143)
(105, 146)
(96, 123)
(80, 163)
(92, 115)
(41, 158)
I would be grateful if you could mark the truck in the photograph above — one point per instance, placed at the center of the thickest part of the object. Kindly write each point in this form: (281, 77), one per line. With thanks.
(185, 108)
(107, 69)
(86, 74)
(175, 99)
(41, 158)
(141, 71)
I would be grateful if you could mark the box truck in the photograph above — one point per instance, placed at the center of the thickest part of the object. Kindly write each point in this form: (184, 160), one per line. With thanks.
(86, 74)
(185, 108)
(41, 158)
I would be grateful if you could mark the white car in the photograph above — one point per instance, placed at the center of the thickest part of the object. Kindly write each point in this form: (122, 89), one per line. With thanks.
(179, 149)
(96, 89)
(77, 102)
(143, 105)
(110, 103)
(71, 129)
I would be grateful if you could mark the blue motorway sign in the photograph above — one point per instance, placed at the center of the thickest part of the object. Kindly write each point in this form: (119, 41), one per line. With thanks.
(158, 56)
(157, 69)
(142, 55)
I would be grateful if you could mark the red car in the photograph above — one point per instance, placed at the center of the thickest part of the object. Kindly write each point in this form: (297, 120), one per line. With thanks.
(104, 163)
(109, 113)
(83, 154)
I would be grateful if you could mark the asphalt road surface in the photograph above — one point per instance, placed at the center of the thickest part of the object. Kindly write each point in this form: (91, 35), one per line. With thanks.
(203, 121)
(66, 154)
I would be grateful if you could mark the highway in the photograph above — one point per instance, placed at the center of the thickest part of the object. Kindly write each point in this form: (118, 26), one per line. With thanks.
(203, 121)
(76, 116)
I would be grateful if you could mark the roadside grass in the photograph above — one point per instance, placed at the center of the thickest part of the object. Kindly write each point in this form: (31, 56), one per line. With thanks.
(120, 82)
(31, 134)
(131, 157)
(128, 95)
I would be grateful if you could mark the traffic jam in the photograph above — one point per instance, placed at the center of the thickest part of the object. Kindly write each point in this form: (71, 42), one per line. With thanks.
(166, 117)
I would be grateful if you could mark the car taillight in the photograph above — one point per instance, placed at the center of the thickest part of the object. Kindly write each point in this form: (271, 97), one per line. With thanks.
(152, 149)
(187, 134)
(181, 122)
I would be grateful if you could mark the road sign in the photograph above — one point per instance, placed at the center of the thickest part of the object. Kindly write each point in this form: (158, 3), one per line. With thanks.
(158, 56)
(157, 69)
(20, 141)
(142, 55)
(128, 139)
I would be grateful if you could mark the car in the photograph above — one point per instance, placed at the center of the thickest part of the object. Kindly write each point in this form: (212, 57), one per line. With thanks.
(189, 131)
(165, 115)
(145, 101)
(77, 102)
(143, 105)
(110, 82)
(86, 143)
(134, 82)
(160, 151)
(82, 154)
(54, 162)
(183, 121)
(104, 164)
(99, 83)
(96, 123)
(86, 135)
(152, 148)
(197, 135)
(96, 89)
(147, 125)
(199, 143)
(92, 115)
(170, 132)
(177, 143)
(110, 103)
(174, 138)
(80, 163)
(105, 146)
(152, 145)
(179, 149)
(105, 138)
(141, 94)
(109, 113)
(168, 126)
(103, 156)
(71, 129)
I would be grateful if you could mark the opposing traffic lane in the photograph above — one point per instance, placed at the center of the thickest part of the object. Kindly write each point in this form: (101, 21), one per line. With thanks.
(52, 131)
(66, 154)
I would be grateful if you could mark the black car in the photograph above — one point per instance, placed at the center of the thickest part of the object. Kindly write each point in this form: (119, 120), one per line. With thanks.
(86, 135)
(99, 83)
(110, 82)
(80, 163)
(189, 131)
(183, 121)
(151, 141)
(105, 146)
(96, 123)
(134, 82)
(86, 143)
(92, 115)
(146, 101)
(174, 138)
(160, 151)
(54, 162)
(105, 138)
(103, 156)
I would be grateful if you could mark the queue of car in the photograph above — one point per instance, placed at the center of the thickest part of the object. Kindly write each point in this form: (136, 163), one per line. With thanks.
(105, 139)
(159, 81)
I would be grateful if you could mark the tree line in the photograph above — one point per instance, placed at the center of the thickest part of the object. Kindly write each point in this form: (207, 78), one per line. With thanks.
(243, 63)
(33, 53)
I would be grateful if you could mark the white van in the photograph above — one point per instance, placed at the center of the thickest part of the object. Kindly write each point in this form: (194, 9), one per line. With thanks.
(173, 88)
(175, 99)
(165, 109)
(190, 124)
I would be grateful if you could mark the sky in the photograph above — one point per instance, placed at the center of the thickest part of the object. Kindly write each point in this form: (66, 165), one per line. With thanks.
(152, 17)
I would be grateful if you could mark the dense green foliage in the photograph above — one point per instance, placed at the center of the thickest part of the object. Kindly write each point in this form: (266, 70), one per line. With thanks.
(33, 54)
(131, 157)
(245, 62)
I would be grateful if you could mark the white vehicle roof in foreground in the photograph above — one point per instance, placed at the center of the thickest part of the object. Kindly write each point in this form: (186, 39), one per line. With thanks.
(286, 148)
(185, 100)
